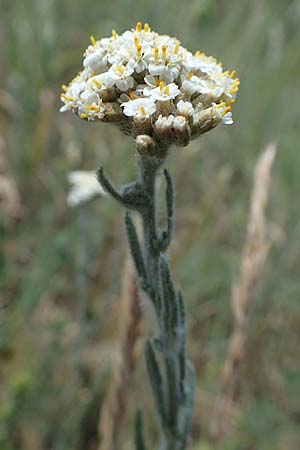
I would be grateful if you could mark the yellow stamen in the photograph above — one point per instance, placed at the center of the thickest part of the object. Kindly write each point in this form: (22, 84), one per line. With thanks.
(146, 27)
(157, 83)
(120, 70)
(136, 41)
(161, 85)
(176, 49)
(230, 102)
(84, 116)
(132, 95)
(234, 90)
(164, 50)
(236, 82)
(225, 73)
(67, 97)
(198, 54)
(93, 40)
(139, 50)
(114, 34)
(233, 73)
(156, 53)
(227, 110)
(221, 105)
(138, 27)
(64, 87)
(92, 108)
(167, 90)
(97, 83)
(142, 109)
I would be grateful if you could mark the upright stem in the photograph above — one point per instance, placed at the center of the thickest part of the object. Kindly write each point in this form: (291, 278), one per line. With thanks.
(167, 306)
(147, 174)
(170, 373)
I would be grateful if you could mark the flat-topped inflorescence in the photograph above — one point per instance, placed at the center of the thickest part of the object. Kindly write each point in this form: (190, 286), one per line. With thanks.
(152, 88)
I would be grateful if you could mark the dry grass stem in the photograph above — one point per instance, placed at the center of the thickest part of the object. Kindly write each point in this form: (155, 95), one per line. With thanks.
(114, 408)
(253, 258)
(10, 203)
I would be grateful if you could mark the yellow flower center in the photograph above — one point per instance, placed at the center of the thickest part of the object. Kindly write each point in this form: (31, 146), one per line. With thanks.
(97, 83)
(120, 70)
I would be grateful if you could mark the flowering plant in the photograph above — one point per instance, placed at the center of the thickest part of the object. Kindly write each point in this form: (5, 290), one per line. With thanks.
(155, 90)
(152, 88)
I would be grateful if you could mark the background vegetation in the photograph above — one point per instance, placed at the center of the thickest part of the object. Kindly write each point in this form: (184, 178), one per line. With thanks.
(60, 268)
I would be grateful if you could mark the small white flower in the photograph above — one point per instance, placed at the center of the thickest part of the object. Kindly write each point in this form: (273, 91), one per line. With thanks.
(90, 105)
(190, 84)
(89, 97)
(164, 122)
(231, 85)
(96, 61)
(141, 107)
(212, 87)
(76, 88)
(84, 187)
(167, 73)
(223, 112)
(185, 108)
(100, 82)
(202, 63)
(140, 65)
(163, 92)
(121, 75)
(151, 81)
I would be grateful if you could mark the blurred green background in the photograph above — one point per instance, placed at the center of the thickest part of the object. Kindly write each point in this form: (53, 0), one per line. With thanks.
(60, 268)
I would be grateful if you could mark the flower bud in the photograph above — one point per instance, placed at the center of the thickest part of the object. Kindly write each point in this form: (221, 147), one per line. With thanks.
(113, 112)
(182, 131)
(145, 145)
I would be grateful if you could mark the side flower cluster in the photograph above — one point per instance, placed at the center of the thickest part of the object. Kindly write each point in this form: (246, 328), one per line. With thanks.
(152, 88)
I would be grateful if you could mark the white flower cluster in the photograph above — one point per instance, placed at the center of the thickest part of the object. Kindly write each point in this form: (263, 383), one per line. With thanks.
(151, 86)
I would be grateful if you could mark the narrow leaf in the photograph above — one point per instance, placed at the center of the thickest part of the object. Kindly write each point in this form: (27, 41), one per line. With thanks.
(139, 442)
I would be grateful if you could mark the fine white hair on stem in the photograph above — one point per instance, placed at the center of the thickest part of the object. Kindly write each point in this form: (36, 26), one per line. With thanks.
(254, 255)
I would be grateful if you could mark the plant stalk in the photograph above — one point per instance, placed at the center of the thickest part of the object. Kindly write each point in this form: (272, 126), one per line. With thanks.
(170, 373)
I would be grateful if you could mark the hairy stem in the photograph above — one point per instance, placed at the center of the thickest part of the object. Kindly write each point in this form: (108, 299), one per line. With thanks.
(168, 305)
(171, 375)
